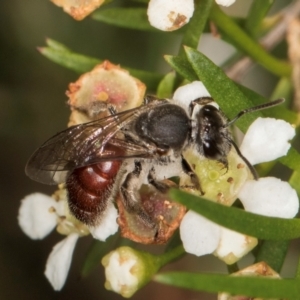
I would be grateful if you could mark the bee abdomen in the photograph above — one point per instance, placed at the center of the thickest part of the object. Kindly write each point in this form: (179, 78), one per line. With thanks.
(89, 189)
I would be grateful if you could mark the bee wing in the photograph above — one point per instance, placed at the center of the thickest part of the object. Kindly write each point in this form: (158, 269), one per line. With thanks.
(84, 144)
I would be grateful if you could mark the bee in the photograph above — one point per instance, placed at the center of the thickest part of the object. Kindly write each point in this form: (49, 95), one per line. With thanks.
(116, 154)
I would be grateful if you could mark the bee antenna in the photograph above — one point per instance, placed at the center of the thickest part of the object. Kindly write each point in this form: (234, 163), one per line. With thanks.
(255, 108)
(250, 167)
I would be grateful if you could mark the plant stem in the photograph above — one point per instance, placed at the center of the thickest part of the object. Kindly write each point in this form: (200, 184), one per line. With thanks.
(245, 43)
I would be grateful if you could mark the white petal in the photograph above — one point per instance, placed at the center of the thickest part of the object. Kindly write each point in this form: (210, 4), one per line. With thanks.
(199, 235)
(225, 2)
(170, 15)
(234, 245)
(189, 92)
(108, 225)
(59, 261)
(36, 215)
(270, 197)
(266, 140)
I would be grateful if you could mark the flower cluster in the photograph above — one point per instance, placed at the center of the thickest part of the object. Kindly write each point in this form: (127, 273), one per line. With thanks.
(88, 97)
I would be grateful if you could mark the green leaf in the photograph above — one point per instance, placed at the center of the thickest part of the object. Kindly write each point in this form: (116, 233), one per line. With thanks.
(70, 60)
(166, 86)
(96, 252)
(273, 253)
(248, 286)
(79, 63)
(262, 227)
(182, 67)
(257, 12)
(132, 18)
(196, 25)
(224, 91)
(56, 45)
(247, 45)
(295, 180)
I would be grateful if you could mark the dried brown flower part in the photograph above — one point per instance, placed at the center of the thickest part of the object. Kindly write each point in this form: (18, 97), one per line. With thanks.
(167, 214)
(106, 85)
(260, 269)
(78, 9)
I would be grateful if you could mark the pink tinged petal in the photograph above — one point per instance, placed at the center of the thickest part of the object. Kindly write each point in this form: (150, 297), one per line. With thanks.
(59, 261)
(186, 93)
(269, 197)
(170, 15)
(266, 140)
(37, 217)
(199, 235)
(225, 2)
(233, 245)
(108, 225)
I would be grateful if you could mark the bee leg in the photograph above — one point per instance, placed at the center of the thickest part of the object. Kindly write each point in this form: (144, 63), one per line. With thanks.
(130, 196)
(187, 169)
(159, 185)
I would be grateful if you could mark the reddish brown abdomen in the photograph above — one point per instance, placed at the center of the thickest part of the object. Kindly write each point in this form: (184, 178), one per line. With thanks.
(89, 189)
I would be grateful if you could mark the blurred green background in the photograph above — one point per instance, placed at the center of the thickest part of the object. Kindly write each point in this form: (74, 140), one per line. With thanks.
(33, 108)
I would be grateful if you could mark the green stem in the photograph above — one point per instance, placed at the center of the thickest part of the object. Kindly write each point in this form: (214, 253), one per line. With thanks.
(196, 25)
(245, 43)
(171, 255)
(298, 271)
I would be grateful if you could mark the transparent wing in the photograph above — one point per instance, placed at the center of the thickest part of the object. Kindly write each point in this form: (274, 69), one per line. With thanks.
(83, 145)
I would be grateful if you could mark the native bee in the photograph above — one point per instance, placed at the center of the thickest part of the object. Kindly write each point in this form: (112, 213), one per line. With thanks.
(144, 145)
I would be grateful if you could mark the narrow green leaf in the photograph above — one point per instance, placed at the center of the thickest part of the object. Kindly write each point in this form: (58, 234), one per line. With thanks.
(166, 86)
(273, 253)
(222, 89)
(132, 18)
(248, 286)
(294, 181)
(298, 271)
(182, 67)
(257, 12)
(81, 63)
(196, 25)
(56, 45)
(96, 252)
(247, 45)
(262, 227)
(70, 60)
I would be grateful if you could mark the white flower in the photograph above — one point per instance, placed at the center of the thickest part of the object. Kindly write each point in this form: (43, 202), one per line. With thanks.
(277, 133)
(39, 214)
(59, 261)
(169, 15)
(185, 94)
(225, 2)
(108, 225)
(266, 139)
(270, 197)
(126, 270)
